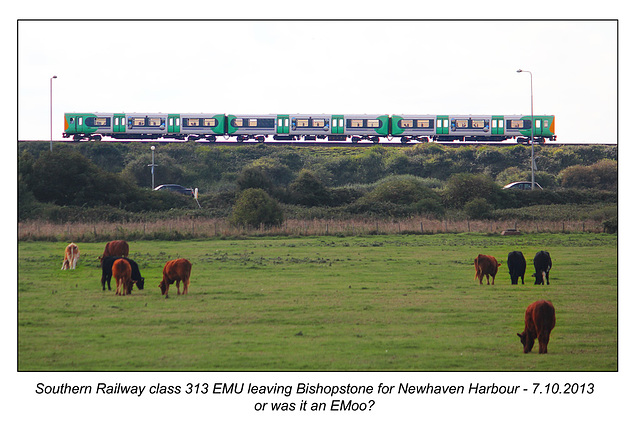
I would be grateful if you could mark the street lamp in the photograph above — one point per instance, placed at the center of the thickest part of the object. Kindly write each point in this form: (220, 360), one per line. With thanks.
(51, 112)
(533, 127)
(153, 165)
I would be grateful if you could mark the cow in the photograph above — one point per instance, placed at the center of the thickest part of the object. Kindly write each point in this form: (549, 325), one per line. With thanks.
(107, 264)
(121, 272)
(542, 264)
(71, 256)
(486, 265)
(175, 271)
(517, 266)
(115, 248)
(539, 320)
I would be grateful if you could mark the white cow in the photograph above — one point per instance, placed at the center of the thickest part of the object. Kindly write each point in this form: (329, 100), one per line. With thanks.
(71, 255)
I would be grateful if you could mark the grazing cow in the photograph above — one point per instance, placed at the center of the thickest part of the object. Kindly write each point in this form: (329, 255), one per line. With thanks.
(121, 271)
(115, 248)
(107, 265)
(486, 265)
(539, 320)
(71, 256)
(517, 266)
(542, 264)
(175, 271)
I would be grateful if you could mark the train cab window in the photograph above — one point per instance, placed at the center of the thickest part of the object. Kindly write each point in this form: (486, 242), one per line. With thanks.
(424, 123)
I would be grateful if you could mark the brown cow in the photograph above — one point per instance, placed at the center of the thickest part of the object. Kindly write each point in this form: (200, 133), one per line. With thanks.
(539, 320)
(115, 248)
(486, 265)
(175, 271)
(71, 255)
(121, 272)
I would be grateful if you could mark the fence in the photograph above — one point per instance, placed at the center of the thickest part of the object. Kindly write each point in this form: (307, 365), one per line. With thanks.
(178, 229)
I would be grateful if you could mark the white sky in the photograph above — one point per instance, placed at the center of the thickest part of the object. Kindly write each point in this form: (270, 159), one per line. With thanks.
(430, 67)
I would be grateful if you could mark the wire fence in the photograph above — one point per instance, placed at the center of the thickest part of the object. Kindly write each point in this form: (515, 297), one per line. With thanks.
(186, 228)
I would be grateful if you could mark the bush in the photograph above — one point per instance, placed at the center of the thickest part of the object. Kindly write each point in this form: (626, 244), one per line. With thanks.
(464, 187)
(478, 209)
(254, 208)
(307, 190)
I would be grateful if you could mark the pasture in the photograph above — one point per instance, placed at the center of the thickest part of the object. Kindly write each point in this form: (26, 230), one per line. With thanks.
(374, 303)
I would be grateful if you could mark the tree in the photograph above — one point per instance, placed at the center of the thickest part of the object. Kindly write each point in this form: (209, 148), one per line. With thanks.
(254, 207)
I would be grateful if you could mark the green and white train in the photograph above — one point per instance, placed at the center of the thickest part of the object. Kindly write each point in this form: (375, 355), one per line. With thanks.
(309, 127)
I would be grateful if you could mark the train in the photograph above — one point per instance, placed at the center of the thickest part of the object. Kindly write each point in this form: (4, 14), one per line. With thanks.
(309, 127)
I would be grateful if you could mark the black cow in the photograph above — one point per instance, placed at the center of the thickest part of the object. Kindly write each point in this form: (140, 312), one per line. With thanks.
(107, 263)
(542, 264)
(517, 266)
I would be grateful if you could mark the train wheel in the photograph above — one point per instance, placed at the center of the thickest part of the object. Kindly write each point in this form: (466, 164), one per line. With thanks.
(240, 138)
(260, 138)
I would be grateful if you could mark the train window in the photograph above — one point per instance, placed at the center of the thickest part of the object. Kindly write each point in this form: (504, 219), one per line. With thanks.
(100, 121)
(210, 122)
(478, 124)
(192, 122)
(373, 123)
(79, 121)
(138, 121)
(445, 123)
(462, 123)
(357, 123)
(318, 123)
(538, 124)
(515, 124)
(155, 121)
(237, 122)
(303, 123)
(253, 122)
(406, 123)
(424, 123)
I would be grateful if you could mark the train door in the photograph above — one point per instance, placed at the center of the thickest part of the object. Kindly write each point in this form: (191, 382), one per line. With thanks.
(497, 125)
(537, 131)
(442, 125)
(337, 125)
(119, 123)
(174, 123)
(282, 125)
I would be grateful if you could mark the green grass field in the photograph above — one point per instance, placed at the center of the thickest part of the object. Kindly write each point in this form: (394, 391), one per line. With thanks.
(376, 303)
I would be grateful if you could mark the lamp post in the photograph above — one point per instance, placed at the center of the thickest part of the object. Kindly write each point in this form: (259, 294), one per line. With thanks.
(153, 165)
(51, 112)
(533, 127)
